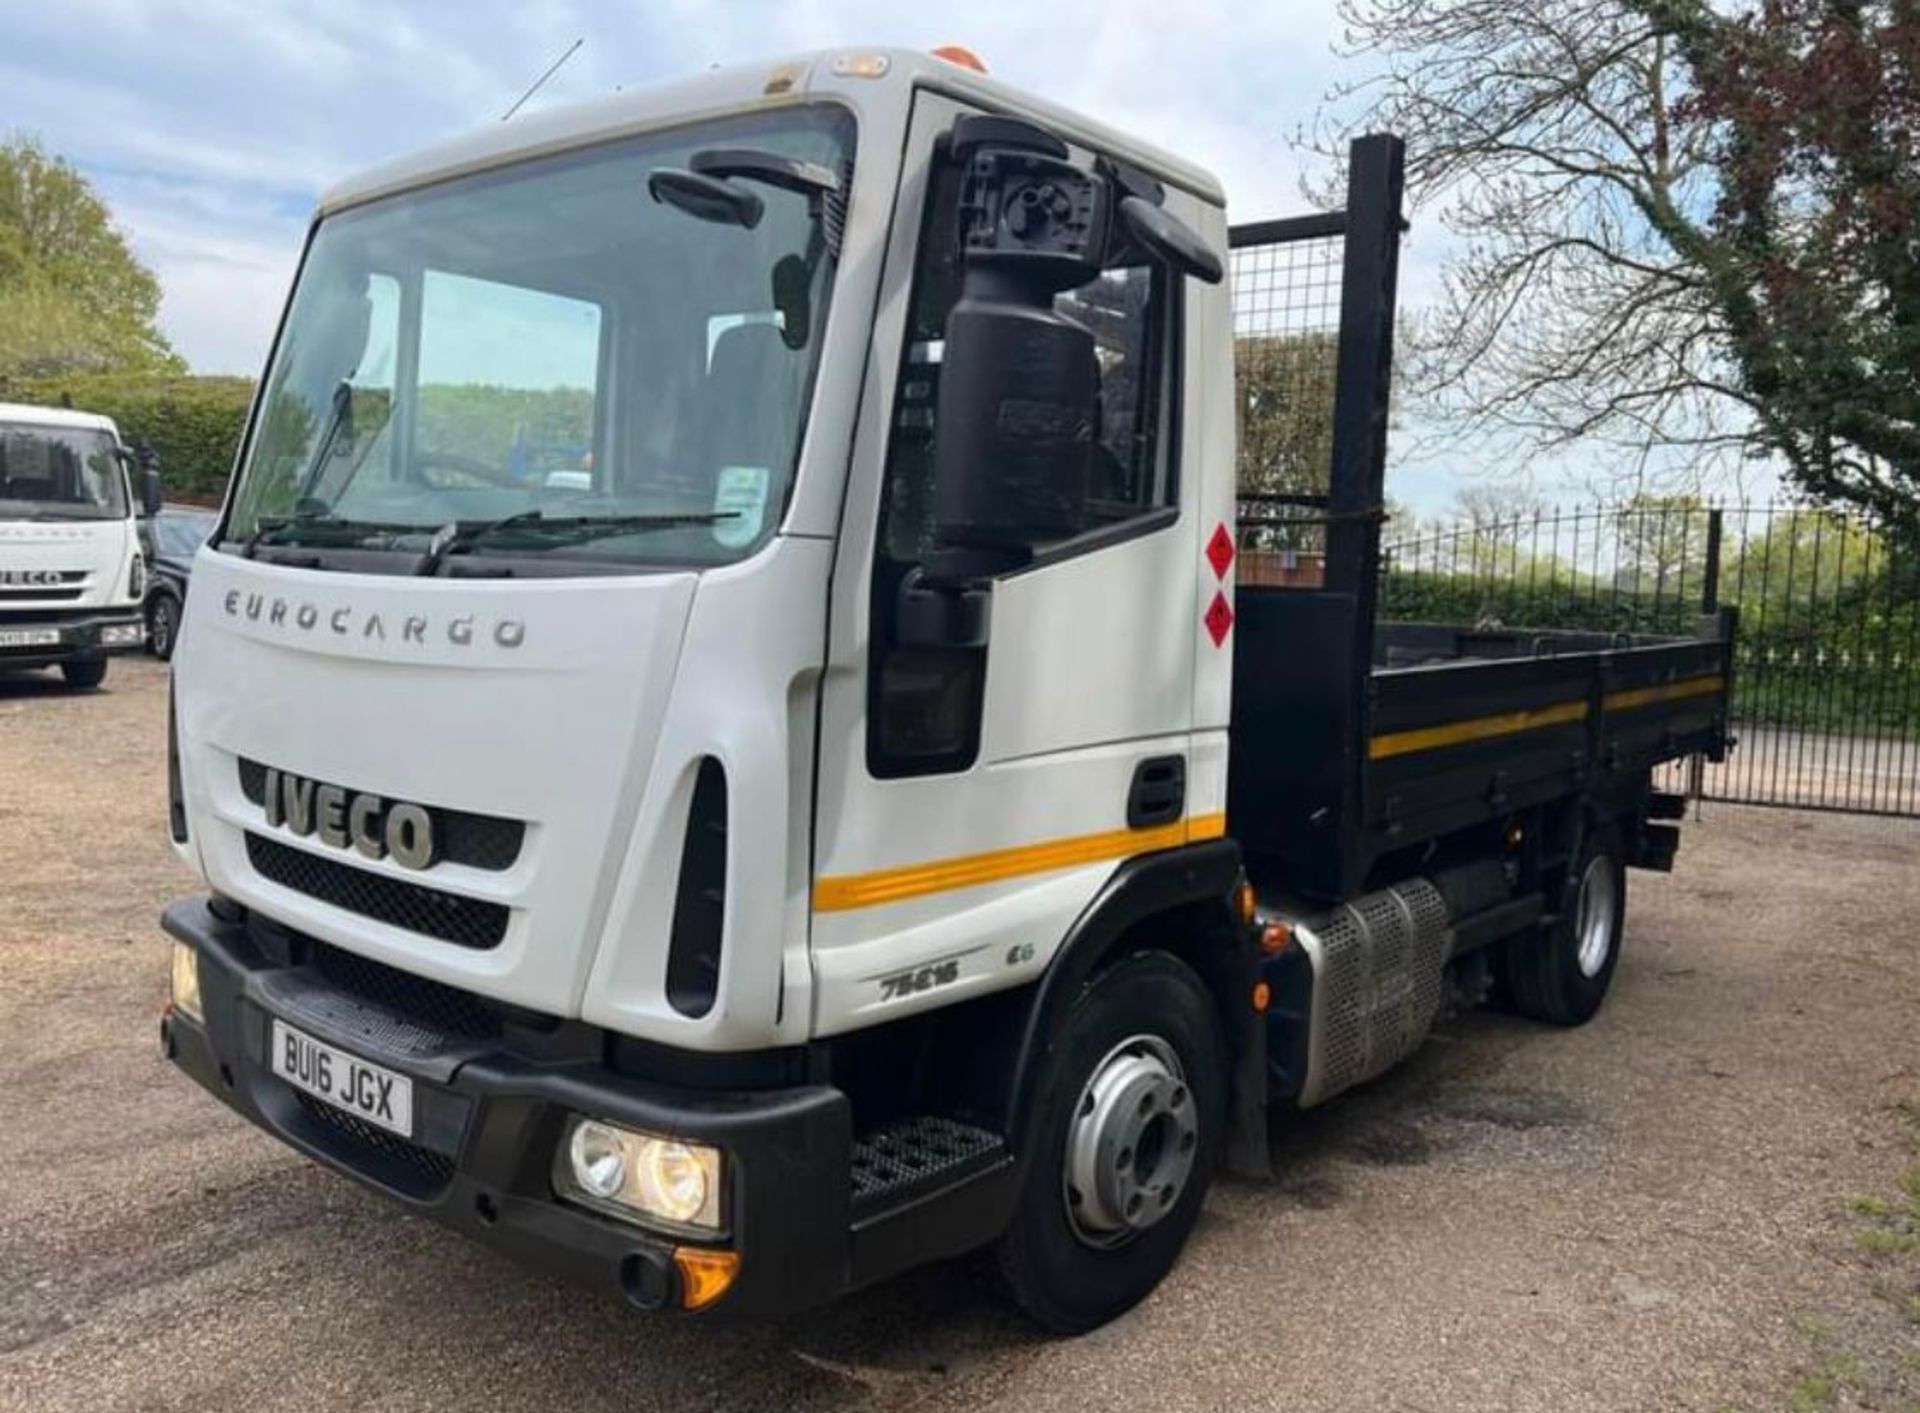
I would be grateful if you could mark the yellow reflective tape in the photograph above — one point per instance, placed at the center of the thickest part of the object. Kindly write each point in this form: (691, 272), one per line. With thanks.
(1206, 826)
(1479, 728)
(1672, 691)
(891, 885)
(1507, 723)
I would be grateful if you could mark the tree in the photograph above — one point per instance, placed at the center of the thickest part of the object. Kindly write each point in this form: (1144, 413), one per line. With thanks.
(1662, 543)
(1639, 247)
(1283, 389)
(72, 296)
(1802, 558)
(1812, 252)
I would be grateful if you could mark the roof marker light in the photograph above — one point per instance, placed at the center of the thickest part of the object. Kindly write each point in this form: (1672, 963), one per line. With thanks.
(871, 66)
(961, 55)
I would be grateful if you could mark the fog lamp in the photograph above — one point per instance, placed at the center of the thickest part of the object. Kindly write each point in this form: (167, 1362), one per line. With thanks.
(186, 981)
(666, 1181)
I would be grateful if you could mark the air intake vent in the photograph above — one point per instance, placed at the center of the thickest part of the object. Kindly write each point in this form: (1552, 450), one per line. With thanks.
(465, 922)
(699, 908)
(176, 795)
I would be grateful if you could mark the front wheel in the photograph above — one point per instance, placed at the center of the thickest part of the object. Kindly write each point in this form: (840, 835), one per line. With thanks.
(163, 626)
(1120, 1145)
(84, 676)
(1561, 973)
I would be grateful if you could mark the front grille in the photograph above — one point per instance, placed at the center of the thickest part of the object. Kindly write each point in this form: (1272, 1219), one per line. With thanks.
(48, 617)
(482, 841)
(465, 922)
(435, 1006)
(10, 595)
(364, 1146)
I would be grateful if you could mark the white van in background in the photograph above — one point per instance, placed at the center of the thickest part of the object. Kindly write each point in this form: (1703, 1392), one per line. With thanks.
(72, 577)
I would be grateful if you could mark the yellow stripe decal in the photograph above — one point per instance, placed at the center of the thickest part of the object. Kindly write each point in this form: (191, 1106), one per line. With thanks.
(891, 885)
(1508, 723)
(1479, 728)
(1671, 692)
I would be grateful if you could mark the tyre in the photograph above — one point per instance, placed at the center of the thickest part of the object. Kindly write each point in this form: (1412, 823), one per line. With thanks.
(1121, 1140)
(84, 676)
(163, 625)
(1561, 973)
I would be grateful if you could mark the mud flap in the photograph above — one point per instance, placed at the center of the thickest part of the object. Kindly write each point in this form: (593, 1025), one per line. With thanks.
(1248, 1153)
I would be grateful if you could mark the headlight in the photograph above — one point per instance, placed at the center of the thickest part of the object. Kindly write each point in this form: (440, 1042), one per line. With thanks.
(120, 635)
(186, 981)
(136, 577)
(667, 1180)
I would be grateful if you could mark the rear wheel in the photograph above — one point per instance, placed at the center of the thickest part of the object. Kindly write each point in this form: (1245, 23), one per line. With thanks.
(1120, 1145)
(163, 626)
(84, 676)
(1561, 974)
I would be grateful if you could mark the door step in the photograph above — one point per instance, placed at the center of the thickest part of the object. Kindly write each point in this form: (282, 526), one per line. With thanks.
(900, 1160)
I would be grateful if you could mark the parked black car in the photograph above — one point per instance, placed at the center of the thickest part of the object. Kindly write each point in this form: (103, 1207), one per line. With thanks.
(172, 538)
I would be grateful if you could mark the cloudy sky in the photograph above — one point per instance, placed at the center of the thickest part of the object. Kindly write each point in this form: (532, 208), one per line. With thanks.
(212, 125)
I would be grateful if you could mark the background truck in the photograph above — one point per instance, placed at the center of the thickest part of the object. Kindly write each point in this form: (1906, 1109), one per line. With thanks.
(72, 578)
(849, 815)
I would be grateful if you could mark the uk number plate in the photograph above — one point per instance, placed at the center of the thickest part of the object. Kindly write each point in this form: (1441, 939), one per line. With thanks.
(368, 1092)
(29, 637)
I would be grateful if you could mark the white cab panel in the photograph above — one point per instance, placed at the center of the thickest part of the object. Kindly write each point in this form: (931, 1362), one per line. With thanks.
(558, 732)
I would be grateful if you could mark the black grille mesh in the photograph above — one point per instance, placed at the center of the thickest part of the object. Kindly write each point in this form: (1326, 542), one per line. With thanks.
(355, 1139)
(475, 840)
(465, 922)
(432, 1004)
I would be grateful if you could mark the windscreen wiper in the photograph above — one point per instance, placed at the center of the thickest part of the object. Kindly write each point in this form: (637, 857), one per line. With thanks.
(339, 418)
(268, 529)
(465, 534)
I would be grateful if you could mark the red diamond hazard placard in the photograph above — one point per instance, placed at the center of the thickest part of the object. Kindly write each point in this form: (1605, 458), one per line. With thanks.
(1219, 619)
(1220, 551)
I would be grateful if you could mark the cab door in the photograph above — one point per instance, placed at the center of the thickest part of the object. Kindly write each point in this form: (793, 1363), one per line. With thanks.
(973, 800)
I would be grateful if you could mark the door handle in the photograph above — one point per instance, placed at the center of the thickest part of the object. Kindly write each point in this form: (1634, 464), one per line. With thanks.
(1159, 791)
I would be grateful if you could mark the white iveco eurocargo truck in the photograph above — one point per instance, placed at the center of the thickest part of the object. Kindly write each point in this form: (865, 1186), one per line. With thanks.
(71, 574)
(725, 747)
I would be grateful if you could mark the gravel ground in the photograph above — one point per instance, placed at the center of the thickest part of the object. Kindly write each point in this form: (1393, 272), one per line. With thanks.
(1662, 1210)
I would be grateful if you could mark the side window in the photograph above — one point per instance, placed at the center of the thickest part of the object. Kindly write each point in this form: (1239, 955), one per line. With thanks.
(1127, 311)
(509, 377)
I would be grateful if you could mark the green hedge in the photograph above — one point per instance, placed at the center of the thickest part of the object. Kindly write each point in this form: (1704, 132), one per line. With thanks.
(1843, 662)
(1567, 603)
(194, 424)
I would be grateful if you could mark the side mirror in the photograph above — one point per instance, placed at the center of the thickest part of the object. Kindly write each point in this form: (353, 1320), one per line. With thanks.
(1019, 382)
(143, 478)
(1014, 448)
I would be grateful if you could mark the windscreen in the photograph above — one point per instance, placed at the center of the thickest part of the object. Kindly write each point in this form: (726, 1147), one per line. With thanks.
(59, 473)
(548, 343)
(179, 534)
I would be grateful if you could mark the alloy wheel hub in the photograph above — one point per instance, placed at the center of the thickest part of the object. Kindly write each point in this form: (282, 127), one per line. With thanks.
(1131, 1144)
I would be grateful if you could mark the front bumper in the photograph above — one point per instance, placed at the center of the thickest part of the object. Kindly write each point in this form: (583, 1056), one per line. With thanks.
(488, 1120)
(29, 639)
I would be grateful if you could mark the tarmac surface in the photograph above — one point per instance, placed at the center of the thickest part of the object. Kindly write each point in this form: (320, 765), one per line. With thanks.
(1695, 1202)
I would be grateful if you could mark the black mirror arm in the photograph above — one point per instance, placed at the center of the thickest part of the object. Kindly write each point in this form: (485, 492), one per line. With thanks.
(1170, 240)
(822, 186)
(750, 164)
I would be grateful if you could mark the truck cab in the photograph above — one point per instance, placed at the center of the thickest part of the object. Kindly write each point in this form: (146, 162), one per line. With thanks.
(705, 722)
(71, 573)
